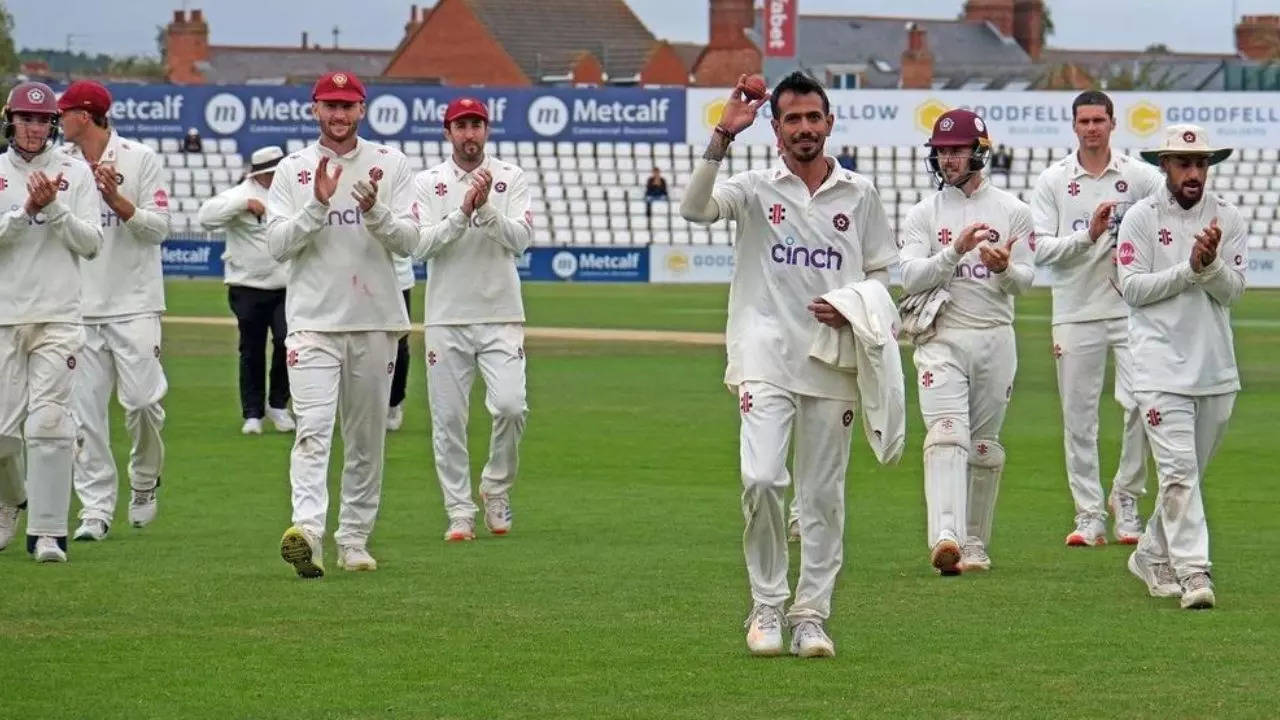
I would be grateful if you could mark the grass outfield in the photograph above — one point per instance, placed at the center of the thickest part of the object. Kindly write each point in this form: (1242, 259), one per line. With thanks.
(621, 592)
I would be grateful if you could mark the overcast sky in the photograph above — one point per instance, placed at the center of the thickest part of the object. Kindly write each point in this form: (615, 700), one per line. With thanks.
(128, 26)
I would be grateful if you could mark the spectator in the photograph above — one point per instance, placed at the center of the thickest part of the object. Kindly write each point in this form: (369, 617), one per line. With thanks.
(848, 159)
(655, 188)
(191, 143)
(1002, 160)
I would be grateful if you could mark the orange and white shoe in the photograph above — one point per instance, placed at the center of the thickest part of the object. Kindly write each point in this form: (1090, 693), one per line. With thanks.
(945, 557)
(460, 529)
(497, 513)
(764, 630)
(1089, 532)
(973, 556)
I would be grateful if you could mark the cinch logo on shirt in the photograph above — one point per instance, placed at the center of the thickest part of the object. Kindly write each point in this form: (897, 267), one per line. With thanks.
(350, 216)
(975, 271)
(788, 253)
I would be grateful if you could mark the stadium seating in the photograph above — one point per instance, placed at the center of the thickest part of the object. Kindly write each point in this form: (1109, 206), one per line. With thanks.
(593, 193)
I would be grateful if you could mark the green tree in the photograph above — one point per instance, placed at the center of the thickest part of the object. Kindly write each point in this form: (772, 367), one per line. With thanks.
(8, 53)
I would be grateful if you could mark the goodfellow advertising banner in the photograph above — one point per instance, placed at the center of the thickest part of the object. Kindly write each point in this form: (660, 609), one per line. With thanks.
(1016, 119)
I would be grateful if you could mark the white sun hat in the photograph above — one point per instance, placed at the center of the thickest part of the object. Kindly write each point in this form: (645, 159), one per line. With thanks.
(1186, 140)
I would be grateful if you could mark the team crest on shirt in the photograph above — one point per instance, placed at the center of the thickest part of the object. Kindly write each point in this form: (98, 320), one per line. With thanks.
(1165, 237)
(1122, 186)
(993, 235)
(500, 187)
(161, 198)
(441, 189)
(841, 222)
(847, 418)
(304, 176)
(71, 362)
(1239, 261)
(1073, 188)
(63, 185)
(391, 367)
(375, 173)
(1126, 253)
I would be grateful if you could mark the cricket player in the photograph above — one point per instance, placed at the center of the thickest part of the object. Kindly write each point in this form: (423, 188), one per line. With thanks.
(1181, 261)
(1077, 205)
(476, 223)
(971, 238)
(123, 291)
(400, 379)
(255, 290)
(804, 227)
(50, 223)
(332, 209)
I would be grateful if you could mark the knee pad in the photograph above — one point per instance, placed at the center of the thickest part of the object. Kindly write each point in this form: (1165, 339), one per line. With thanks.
(948, 431)
(986, 453)
(50, 422)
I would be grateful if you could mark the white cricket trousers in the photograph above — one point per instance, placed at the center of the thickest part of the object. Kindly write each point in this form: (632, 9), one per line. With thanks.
(344, 375)
(1184, 432)
(822, 436)
(124, 355)
(966, 379)
(37, 368)
(453, 354)
(1080, 350)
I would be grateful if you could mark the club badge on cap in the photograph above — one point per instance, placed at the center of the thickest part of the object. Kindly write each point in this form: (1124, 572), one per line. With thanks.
(1186, 140)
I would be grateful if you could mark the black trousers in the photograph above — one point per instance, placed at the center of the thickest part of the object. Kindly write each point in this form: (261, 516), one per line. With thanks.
(257, 311)
(401, 376)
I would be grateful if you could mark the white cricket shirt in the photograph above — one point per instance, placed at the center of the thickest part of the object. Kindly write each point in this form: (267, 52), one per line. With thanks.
(980, 298)
(40, 256)
(1084, 273)
(1179, 320)
(342, 277)
(471, 265)
(246, 260)
(126, 279)
(791, 248)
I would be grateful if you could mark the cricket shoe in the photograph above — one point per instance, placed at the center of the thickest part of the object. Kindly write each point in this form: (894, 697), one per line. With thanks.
(355, 558)
(48, 549)
(91, 530)
(460, 529)
(497, 513)
(793, 530)
(303, 551)
(1089, 532)
(973, 556)
(1157, 576)
(8, 523)
(945, 557)
(1197, 592)
(252, 426)
(809, 640)
(1127, 527)
(764, 630)
(282, 419)
(142, 508)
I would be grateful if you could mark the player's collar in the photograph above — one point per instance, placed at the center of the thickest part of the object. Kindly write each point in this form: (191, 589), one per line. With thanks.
(459, 173)
(838, 173)
(355, 151)
(1078, 171)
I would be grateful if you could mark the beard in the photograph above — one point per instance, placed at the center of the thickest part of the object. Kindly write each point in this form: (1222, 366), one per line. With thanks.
(469, 150)
(338, 133)
(813, 150)
(1188, 193)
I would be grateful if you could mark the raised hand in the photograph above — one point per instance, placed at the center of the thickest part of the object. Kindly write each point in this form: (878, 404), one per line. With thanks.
(104, 176)
(41, 191)
(1206, 247)
(996, 257)
(365, 193)
(971, 237)
(739, 112)
(1101, 219)
(478, 193)
(326, 185)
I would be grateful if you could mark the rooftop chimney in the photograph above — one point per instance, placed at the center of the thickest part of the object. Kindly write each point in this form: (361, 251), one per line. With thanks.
(1258, 37)
(997, 12)
(917, 61)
